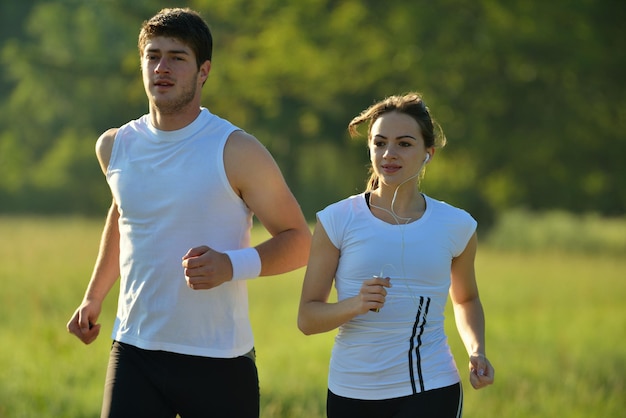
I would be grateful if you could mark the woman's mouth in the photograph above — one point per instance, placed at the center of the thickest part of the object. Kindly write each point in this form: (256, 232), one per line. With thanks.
(390, 168)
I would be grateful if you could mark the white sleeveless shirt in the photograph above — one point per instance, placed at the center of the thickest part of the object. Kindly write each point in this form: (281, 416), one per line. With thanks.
(173, 194)
(402, 349)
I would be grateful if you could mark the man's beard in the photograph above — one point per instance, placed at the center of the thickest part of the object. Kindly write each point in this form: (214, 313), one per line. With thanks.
(172, 106)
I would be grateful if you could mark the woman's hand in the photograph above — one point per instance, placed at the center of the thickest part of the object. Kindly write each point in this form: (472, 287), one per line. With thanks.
(481, 371)
(372, 295)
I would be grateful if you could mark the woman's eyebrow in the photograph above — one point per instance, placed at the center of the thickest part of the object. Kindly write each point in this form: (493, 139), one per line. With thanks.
(398, 137)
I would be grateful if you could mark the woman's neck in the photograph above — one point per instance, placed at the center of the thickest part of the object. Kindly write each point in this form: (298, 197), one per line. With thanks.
(402, 206)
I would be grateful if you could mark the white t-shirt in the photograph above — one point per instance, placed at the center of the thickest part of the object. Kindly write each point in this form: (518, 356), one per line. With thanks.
(173, 194)
(402, 349)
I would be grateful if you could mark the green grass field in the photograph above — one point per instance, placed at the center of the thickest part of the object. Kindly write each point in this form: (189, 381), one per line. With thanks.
(556, 330)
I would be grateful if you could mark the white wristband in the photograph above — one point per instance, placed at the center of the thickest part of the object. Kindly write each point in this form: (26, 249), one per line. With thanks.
(246, 263)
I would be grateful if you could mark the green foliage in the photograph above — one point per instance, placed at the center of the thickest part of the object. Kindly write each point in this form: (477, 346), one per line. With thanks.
(555, 331)
(529, 93)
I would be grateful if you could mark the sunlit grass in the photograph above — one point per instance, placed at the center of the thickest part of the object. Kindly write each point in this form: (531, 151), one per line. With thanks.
(522, 230)
(556, 327)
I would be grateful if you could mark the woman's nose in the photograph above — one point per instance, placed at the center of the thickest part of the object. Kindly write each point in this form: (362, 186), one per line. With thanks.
(389, 152)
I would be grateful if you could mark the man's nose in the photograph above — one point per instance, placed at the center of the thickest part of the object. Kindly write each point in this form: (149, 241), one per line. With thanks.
(162, 66)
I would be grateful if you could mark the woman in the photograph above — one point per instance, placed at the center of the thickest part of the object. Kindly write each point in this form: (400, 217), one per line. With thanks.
(395, 254)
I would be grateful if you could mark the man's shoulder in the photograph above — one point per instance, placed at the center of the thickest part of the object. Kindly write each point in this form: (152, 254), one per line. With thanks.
(106, 139)
(109, 134)
(242, 144)
(104, 147)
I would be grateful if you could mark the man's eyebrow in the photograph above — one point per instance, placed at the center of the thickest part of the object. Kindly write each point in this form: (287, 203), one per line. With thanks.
(169, 51)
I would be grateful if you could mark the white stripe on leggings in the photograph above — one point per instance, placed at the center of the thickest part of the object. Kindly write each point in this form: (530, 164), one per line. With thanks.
(459, 412)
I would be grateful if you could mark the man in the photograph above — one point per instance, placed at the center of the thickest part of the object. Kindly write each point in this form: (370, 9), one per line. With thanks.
(185, 186)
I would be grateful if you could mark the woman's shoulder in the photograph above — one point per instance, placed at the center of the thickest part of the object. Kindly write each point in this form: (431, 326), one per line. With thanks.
(347, 203)
(447, 210)
(344, 211)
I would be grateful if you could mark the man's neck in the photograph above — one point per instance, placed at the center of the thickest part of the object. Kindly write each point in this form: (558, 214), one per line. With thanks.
(174, 121)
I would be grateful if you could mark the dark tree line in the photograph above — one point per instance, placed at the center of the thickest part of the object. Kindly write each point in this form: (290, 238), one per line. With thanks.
(530, 95)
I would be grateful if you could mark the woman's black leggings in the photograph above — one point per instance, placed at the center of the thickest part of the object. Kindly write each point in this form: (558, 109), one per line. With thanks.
(446, 402)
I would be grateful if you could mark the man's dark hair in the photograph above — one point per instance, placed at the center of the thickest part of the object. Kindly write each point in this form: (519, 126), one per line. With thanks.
(185, 25)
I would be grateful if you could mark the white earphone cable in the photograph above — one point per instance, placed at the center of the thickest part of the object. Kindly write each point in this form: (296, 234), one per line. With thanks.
(397, 219)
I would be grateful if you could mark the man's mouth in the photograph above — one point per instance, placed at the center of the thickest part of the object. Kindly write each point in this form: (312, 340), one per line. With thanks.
(163, 83)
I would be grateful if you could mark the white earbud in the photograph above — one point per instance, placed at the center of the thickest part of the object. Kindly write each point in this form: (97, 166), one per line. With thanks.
(427, 158)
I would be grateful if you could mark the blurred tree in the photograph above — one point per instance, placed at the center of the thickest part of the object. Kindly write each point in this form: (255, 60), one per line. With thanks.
(71, 75)
(529, 93)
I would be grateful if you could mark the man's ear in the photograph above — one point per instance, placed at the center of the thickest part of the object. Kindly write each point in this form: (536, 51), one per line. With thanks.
(205, 69)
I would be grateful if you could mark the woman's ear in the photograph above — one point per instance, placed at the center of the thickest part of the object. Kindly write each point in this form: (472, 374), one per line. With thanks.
(430, 153)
